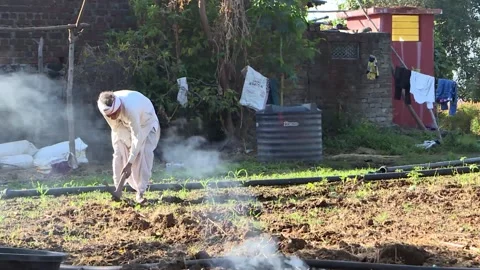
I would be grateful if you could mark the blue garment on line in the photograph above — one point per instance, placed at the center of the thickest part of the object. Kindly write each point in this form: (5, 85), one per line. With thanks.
(447, 92)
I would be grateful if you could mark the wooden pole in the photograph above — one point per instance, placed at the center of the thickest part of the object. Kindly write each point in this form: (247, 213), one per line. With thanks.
(72, 159)
(40, 55)
(439, 133)
(80, 13)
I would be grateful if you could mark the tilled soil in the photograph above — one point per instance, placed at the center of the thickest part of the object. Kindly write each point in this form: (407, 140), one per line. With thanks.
(389, 222)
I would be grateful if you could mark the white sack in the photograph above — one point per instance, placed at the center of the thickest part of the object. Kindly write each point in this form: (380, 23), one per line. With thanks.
(255, 92)
(16, 162)
(182, 91)
(53, 154)
(23, 147)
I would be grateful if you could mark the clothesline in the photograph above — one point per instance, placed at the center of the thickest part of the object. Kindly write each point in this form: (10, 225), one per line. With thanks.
(426, 89)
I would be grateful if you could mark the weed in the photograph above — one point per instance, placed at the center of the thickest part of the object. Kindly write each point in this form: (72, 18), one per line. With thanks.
(42, 189)
(407, 207)
(364, 191)
(414, 176)
(381, 218)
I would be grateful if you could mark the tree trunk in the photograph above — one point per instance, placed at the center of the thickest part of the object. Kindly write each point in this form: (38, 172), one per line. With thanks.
(224, 74)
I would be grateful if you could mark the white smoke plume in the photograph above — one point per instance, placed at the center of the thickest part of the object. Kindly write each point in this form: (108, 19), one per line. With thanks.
(197, 160)
(262, 253)
(30, 102)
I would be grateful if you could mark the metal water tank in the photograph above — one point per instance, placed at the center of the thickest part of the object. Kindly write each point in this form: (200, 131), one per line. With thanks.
(289, 133)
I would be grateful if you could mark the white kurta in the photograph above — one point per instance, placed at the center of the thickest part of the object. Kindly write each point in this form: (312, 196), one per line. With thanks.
(135, 135)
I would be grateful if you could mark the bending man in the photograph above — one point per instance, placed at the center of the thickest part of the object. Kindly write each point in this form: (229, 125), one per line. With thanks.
(135, 135)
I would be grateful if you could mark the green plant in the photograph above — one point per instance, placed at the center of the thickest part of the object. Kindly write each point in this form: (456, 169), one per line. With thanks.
(381, 218)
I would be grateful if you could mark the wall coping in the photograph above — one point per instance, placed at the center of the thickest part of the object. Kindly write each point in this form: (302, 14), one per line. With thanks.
(389, 10)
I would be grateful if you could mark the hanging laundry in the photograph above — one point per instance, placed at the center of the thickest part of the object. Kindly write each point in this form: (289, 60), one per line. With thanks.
(447, 93)
(402, 81)
(423, 88)
(372, 68)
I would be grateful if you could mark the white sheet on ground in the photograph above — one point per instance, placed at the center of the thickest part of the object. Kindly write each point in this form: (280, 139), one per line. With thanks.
(23, 161)
(53, 154)
(15, 148)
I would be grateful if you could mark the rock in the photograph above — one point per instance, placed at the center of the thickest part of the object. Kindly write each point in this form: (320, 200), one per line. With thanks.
(294, 244)
(404, 254)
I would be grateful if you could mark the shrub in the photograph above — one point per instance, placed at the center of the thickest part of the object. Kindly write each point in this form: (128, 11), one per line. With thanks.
(465, 121)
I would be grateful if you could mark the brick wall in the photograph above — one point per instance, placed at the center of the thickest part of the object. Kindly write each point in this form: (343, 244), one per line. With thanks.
(337, 82)
(20, 47)
(19, 51)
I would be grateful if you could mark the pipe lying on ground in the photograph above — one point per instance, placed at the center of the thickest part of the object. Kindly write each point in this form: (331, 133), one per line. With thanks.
(328, 264)
(7, 194)
(421, 173)
(433, 165)
(323, 264)
(118, 267)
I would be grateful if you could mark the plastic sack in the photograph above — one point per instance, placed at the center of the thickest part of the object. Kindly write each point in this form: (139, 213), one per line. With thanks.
(16, 162)
(53, 154)
(255, 90)
(16, 148)
(182, 91)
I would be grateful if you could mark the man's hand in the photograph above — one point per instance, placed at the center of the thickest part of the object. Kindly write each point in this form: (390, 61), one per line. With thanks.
(127, 170)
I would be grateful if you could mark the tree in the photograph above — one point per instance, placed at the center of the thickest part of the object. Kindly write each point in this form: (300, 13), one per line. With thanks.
(209, 42)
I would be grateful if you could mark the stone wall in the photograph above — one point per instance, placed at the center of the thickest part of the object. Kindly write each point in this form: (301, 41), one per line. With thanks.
(337, 79)
(21, 48)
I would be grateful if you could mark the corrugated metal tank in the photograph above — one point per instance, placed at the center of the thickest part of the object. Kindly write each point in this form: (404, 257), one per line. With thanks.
(289, 133)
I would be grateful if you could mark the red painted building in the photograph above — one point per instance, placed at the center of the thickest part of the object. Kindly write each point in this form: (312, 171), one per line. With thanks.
(412, 37)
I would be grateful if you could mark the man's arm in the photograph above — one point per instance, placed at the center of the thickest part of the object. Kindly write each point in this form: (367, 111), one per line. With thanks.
(136, 136)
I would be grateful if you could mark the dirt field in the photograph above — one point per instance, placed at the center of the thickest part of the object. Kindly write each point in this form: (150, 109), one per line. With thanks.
(433, 221)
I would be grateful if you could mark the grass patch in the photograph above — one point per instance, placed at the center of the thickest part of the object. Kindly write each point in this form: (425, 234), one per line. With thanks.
(396, 141)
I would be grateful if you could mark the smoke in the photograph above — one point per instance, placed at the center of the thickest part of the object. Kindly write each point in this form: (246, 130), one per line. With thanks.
(191, 154)
(33, 108)
(29, 103)
(262, 253)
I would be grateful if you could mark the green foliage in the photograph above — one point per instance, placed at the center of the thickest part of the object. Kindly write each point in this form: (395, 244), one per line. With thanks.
(444, 65)
(353, 4)
(148, 53)
(465, 121)
(156, 55)
(279, 41)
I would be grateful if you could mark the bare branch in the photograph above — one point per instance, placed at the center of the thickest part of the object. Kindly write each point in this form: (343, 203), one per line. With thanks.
(42, 28)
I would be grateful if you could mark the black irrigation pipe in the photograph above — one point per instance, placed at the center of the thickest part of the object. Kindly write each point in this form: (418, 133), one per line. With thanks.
(326, 264)
(433, 165)
(313, 264)
(8, 193)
